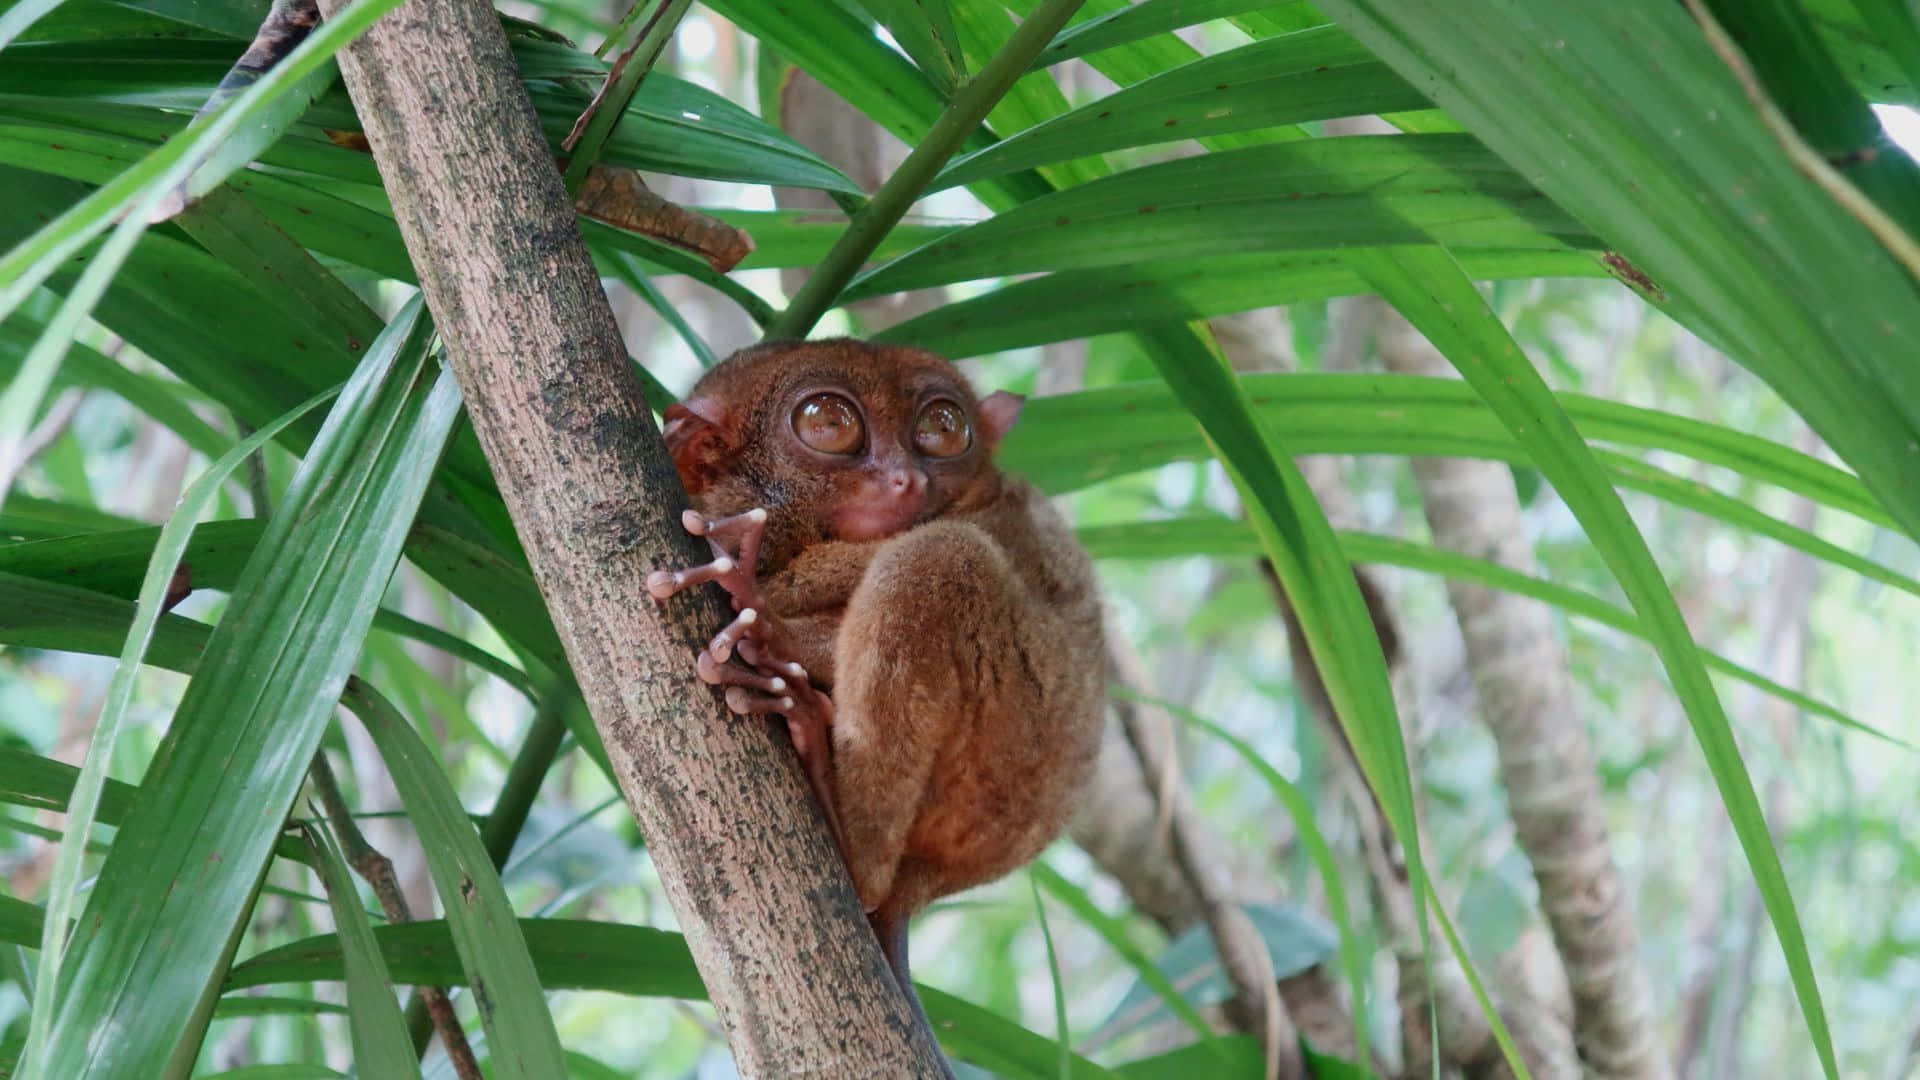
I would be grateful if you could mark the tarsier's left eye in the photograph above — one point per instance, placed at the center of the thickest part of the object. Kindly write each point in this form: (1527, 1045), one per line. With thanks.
(941, 430)
(830, 424)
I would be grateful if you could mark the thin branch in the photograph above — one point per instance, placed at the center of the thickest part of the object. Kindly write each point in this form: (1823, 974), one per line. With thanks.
(377, 870)
(1243, 953)
(42, 435)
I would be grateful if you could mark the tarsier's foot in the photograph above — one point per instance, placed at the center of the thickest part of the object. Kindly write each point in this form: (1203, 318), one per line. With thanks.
(773, 683)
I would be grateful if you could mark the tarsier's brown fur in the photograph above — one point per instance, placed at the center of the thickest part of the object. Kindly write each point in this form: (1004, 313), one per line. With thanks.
(962, 650)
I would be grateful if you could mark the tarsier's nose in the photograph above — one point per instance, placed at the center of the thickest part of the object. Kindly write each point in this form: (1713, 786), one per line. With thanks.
(906, 481)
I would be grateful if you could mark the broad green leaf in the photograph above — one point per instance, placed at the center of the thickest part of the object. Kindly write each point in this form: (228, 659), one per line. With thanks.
(114, 561)
(1786, 54)
(1224, 537)
(1427, 287)
(19, 17)
(925, 31)
(27, 779)
(1674, 169)
(485, 933)
(1144, 19)
(199, 318)
(94, 19)
(1312, 75)
(675, 126)
(985, 27)
(144, 965)
(91, 781)
(85, 366)
(381, 1046)
(640, 961)
(232, 229)
(1894, 24)
(26, 517)
(237, 19)
(137, 190)
(41, 615)
(1068, 441)
(1317, 193)
(1109, 299)
(839, 49)
(1874, 59)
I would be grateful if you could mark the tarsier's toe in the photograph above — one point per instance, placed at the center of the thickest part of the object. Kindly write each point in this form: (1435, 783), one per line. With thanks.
(753, 652)
(665, 583)
(714, 672)
(727, 638)
(747, 702)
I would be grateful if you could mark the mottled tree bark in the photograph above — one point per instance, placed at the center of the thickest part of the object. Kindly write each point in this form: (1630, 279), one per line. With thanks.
(796, 977)
(1546, 760)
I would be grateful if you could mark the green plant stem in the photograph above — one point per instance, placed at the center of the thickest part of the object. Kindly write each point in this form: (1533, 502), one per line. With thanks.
(528, 771)
(509, 815)
(610, 104)
(870, 226)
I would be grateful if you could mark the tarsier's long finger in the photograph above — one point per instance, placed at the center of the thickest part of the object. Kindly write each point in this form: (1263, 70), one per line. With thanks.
(737, 527)
(730, 635)
(753, 653)
(745, 702)
(715, 673)
(664, 583)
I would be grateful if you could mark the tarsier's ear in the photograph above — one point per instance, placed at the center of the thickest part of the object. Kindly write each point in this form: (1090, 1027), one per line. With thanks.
(697, 438)
(998, 411)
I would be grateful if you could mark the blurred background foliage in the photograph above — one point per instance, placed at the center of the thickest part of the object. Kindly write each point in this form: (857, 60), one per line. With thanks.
(1757, 306)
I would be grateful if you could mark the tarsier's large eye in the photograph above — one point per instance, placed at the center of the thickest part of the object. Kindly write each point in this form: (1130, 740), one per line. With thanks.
(941, 430)
(829, 423)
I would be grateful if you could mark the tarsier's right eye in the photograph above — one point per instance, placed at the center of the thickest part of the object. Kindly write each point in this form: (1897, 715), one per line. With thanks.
(829, 423)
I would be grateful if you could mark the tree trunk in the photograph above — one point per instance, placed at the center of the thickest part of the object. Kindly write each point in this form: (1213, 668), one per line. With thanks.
(1546, 760)
(795, 975)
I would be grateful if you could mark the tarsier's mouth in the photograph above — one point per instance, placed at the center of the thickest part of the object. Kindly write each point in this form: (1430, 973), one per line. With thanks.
(882, 516)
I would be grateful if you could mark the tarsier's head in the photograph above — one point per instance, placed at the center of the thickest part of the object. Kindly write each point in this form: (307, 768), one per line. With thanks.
(838, 439)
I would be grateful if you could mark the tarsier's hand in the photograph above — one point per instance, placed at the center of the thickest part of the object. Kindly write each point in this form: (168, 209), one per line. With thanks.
(754, 632)
(773, 682)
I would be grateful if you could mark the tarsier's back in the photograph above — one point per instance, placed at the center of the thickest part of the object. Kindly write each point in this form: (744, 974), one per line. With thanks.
(1024, 745)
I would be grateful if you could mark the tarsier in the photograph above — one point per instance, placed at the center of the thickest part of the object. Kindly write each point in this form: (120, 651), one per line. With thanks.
(928, 625)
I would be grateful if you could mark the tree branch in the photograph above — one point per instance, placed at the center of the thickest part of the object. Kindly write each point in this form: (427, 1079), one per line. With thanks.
(796, 977)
